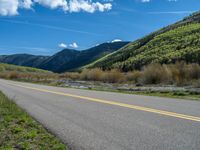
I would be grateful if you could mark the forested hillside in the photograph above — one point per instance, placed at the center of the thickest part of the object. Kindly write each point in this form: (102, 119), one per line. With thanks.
(180, 41)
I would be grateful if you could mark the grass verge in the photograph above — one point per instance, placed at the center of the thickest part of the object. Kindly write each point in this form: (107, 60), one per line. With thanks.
(177, 95)
(19, 131)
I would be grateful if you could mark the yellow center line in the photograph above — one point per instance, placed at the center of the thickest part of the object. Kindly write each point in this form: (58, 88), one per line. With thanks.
(156, 111)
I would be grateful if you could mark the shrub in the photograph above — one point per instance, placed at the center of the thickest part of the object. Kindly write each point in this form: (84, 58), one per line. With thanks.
(92, 75)
(133, 76)
(95, 74)
(2, 69)
(113, 76)
(155, 74)
(183, 73)
(179, 73)
(193, 71)
(13, 75)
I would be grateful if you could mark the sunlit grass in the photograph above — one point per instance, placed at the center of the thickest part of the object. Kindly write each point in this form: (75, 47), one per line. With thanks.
(19, 131)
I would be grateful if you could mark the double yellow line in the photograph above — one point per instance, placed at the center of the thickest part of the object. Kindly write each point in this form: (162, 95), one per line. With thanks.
(156, 111)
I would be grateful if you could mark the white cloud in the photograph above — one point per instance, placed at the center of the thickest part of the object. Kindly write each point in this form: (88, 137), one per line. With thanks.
(53, 4)
(145, 1)
(26, 4)
(10, 7)
(73, 45)
(116, 40)
(88, 6)
(62, 45)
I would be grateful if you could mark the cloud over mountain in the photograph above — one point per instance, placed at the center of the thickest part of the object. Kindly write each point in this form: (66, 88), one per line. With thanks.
(74, 45)
(62, 45)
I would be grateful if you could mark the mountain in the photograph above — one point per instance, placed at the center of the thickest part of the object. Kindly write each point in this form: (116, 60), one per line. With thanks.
(23, 60)
(59, 61)
(64, 60)
(179, 41)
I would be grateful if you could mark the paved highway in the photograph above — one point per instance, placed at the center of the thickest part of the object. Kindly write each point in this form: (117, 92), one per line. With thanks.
(93, 120)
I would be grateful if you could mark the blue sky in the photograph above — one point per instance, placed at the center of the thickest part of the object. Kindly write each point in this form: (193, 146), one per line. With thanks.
(44, 27)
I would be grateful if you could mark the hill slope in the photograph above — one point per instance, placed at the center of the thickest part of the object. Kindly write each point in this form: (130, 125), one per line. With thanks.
(65, 60)
(180, 41)
(14, 68)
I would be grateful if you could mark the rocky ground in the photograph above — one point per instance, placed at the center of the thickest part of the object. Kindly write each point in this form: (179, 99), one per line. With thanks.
(127, 87)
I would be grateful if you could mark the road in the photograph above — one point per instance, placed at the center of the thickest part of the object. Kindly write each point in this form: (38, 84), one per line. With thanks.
(94, 120)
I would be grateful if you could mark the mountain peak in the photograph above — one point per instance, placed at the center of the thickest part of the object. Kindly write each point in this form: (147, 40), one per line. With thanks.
(67, 59)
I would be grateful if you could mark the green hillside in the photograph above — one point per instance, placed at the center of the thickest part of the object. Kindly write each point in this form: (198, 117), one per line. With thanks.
(14, 68)
(180, 41)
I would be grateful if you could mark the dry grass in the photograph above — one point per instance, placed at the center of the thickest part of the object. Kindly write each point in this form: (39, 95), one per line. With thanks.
(177, 74)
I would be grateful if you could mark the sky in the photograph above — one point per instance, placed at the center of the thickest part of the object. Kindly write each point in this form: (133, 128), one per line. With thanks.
(44, 27)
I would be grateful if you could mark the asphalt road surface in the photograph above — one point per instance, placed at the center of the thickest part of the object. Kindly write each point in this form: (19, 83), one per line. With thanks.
(93, 120)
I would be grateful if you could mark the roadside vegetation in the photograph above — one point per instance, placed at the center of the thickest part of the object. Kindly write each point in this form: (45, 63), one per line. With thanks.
(29, 74)
(19, 131)
(155, 75)
(179, 95)
(179, 74)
